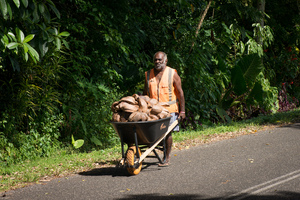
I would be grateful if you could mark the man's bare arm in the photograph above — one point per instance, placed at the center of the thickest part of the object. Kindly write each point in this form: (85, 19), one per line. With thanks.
(177, 84)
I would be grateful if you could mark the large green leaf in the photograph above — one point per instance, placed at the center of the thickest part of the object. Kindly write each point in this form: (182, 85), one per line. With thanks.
(256, 93)
(238, 81)
(251, 65)
(78, 143)
(226, 100)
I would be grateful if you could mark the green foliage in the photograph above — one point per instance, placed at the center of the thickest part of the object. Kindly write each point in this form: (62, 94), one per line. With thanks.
(77, 143)
(40, 140)
(245, 90)
(243, 75)
(269, 98)
(30, 72)
(282, 57)
(88, 117)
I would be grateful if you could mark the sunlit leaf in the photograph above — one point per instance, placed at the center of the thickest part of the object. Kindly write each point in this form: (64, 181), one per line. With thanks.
(12, 36)
(20, 35)
(25, 48)
(17, 2)
(4, 39)
(26, 56)
(12, 45)
(78, 143)
(33, 53)
(28, 38)
(64, 33)
(73, 141)
(58, 43)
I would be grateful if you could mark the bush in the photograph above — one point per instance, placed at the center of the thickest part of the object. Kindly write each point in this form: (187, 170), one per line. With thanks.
(40, 140)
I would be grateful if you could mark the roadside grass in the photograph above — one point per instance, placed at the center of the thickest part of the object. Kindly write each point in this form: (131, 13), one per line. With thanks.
(205, 133)
(68, 161)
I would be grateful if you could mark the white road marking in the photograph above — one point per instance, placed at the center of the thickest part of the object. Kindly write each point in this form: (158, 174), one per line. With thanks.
(265, 186)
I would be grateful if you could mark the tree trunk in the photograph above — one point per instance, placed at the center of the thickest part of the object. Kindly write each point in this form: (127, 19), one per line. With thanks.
(261, 8)
(200, 23)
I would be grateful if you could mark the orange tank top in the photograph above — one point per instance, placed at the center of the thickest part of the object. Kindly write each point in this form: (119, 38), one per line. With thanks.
(165, 91)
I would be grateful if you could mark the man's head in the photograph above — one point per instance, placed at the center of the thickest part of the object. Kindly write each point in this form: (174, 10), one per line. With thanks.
(160, 60)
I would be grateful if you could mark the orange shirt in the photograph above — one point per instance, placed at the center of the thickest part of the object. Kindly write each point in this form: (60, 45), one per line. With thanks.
(165, 91)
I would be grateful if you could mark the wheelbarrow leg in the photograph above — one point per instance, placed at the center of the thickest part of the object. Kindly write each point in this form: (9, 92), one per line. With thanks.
(122, 146)
(136, 142)
(159, 159)
(164, 152)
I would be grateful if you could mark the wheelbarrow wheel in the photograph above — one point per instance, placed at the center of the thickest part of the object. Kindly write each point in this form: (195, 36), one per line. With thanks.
(131, 157)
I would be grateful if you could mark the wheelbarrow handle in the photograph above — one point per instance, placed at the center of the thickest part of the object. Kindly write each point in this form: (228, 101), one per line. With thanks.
(171, 127)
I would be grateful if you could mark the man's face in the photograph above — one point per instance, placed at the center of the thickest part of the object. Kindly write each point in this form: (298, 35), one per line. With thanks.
(159, 62)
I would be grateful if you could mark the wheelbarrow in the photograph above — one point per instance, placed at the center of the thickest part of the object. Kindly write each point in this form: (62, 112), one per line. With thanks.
(140, 135)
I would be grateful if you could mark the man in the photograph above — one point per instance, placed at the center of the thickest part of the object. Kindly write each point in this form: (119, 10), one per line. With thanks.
(164, 84)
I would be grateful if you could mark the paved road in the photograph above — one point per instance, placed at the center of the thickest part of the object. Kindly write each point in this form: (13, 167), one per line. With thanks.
(264, 165)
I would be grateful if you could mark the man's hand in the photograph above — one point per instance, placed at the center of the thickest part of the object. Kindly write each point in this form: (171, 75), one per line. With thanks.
(181, 115)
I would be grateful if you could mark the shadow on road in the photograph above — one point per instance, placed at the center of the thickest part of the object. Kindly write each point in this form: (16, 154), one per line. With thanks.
(113, 171)
(106, 171)
(296, 125)
(283, 195)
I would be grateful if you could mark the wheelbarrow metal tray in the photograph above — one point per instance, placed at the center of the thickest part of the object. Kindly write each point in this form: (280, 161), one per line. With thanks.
(147, 131)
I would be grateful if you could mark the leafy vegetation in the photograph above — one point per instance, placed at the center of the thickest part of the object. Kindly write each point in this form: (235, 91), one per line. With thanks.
(63, 63)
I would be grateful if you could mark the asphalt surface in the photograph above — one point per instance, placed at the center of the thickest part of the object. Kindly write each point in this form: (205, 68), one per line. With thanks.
(264, 165)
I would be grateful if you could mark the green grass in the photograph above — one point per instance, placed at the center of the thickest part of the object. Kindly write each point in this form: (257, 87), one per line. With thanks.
(67, 162)
(251, 125)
